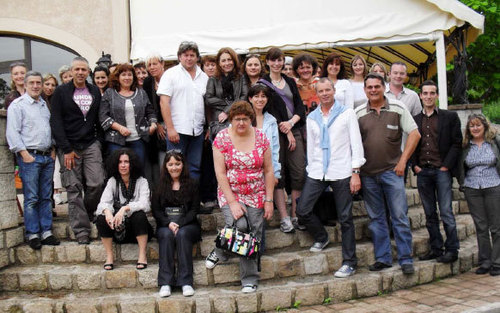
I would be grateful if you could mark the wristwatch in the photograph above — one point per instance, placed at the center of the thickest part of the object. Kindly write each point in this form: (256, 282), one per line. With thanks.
(356, 171)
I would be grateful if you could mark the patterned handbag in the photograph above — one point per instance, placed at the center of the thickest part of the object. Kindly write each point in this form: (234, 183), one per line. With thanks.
(237, 242)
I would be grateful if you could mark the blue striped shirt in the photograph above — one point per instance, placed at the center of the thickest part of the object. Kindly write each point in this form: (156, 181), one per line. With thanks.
(482, 172)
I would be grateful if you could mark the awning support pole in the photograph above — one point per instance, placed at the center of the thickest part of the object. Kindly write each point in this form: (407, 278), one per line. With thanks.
(441, 71)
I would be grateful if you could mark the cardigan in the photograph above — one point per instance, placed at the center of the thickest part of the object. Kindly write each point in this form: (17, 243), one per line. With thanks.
(112, 109)
(462, 167)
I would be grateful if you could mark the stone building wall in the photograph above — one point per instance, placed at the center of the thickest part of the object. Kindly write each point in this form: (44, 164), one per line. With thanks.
(11, 230)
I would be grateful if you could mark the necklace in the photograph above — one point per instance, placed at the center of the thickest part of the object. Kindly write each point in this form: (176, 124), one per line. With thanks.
(277, 82)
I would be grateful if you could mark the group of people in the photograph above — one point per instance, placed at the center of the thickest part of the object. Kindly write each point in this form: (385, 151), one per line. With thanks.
(265, 134)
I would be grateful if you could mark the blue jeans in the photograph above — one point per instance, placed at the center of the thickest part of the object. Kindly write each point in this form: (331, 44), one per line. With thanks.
(192, 148)
(37, 189)
(137, 146)
(392, 186)
(431, 183)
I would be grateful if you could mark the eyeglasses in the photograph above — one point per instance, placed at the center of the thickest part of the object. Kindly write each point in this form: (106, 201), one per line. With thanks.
(241, 119)
(174, 151)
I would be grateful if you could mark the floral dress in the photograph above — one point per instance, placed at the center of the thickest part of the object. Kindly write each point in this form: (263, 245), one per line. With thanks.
(244, 170)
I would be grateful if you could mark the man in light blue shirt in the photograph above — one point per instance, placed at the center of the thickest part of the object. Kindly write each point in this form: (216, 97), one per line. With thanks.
(29, 137)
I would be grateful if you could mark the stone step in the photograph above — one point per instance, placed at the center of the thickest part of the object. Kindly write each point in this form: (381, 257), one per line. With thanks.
(277, 265)
(271, 295)
(71, 252)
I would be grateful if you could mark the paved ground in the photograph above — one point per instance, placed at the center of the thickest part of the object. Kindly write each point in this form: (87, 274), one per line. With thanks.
(467, 292)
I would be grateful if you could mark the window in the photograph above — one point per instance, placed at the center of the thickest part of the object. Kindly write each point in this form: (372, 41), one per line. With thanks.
(42, 56)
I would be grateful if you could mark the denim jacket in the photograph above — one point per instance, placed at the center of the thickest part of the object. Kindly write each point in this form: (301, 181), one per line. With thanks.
(112, 110)
(270, 129)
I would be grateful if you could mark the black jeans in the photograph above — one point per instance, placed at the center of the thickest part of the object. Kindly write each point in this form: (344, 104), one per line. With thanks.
(343, 202)
(183, 243)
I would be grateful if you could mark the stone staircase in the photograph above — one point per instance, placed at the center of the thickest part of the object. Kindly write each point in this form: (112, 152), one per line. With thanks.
(69, 278)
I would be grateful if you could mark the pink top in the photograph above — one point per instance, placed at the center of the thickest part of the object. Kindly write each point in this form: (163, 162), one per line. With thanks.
(244, 170)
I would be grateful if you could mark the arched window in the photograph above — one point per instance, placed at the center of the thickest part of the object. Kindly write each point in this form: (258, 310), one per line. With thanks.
(39, 55)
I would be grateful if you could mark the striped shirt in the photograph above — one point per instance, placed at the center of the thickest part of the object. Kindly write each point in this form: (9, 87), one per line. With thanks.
(482, 171)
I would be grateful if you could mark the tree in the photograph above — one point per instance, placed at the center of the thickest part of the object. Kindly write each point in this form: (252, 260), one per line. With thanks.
(483, 67)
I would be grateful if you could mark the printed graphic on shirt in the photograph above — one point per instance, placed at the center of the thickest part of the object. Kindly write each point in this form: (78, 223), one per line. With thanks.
(83, 99)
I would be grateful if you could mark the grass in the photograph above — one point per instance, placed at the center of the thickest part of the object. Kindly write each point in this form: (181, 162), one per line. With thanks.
(492, 111)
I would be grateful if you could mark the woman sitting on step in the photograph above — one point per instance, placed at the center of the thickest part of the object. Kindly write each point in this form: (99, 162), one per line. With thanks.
(121, 213)
(175, 205)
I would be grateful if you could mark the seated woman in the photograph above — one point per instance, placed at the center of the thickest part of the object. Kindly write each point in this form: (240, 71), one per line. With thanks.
(244, 170)
(175, 206)
(121, 213)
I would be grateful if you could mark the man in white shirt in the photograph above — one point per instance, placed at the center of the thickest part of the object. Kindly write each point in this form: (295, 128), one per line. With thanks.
(181, 90)
(334, 156)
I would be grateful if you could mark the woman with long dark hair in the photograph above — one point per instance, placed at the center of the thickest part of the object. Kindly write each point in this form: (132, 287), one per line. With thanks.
(287, 107)
(175, 205)
(121, 213)
(334, 69)
(252, 69)
(100, 78)
(223, 89)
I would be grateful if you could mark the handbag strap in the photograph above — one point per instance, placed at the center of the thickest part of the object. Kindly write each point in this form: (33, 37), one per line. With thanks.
(249, 226)
(280, 92)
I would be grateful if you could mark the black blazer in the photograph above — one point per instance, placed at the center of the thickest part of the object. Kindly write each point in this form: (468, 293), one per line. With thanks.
(449, 139)
(277, 107)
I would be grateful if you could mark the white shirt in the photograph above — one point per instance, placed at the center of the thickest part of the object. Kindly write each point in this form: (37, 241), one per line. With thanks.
(344, 94)
(346, 147)
(140, 201)
(358, 90)
(186, 98)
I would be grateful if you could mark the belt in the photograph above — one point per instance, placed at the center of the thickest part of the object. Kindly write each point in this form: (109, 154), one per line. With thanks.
(39, 152)
(429, 166)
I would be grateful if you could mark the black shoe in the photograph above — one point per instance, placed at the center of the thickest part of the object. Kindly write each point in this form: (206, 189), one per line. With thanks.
(378, 266)
(51, 241)
(83, 240)
(35, 243)
(448, 257)
(494, 271)
(407, 269)
(431, 255)
(482, 270)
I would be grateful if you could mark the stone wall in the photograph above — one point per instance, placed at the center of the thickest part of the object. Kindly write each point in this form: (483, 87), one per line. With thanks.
(11, 230)
(464, 110)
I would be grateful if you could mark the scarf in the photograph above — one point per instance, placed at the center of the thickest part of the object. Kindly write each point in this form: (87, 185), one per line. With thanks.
(324, 135)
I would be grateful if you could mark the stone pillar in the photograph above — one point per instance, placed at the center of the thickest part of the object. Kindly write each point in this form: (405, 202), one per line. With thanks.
(11, 233)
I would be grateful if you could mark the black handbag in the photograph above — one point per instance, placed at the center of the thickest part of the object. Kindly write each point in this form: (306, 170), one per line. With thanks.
(174, 213)
(237, 242)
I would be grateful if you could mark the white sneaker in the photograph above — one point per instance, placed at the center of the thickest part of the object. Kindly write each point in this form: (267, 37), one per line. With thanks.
(211, 260)
(286, 225)
(187, 291)
(345, 271)
(165, 291)
(249, 288)
(57, 198)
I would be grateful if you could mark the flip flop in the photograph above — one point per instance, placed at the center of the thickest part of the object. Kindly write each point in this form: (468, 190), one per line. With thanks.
(141, 266)
(108, 266)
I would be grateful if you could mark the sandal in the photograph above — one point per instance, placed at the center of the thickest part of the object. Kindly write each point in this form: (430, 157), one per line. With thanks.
(141, 266)
(108, 266)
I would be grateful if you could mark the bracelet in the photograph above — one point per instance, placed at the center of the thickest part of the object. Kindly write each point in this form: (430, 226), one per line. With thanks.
(291, 123)
(269, 200)
(356, 171)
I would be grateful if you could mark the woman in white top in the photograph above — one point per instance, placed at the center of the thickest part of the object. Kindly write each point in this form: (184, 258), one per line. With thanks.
(359, 69)
(334, 69)
(126, 115)
(121, 213)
